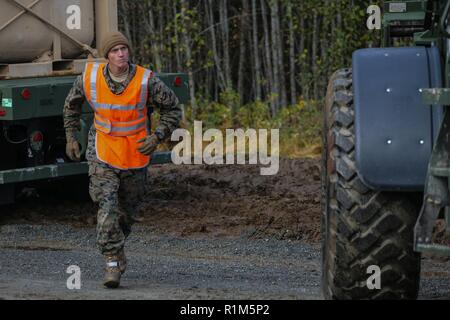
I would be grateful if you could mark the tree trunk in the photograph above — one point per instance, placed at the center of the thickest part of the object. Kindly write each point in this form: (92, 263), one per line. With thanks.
(302, 50)
(223, 14)
(242, 50)
(126, 23)
(167, 43)
(292, 73)
(280, 61)
(153, 41)
(177, 49)
(161, 37)
(188, 43)
(268, 60)
(315, 45)
(220, 75)
(275, 54)
(255, 46)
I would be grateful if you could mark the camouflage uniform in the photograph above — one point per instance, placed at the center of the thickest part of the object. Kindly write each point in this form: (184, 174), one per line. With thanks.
(119, 192)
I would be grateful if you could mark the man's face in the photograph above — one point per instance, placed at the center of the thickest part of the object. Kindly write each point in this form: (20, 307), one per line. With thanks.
(118, 56)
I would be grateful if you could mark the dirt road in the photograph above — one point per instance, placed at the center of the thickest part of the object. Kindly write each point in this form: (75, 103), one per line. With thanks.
(208, 233)
(161, 267)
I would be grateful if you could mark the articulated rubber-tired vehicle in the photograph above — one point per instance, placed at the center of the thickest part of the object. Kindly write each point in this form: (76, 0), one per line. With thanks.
(44, 45)
(386, 158)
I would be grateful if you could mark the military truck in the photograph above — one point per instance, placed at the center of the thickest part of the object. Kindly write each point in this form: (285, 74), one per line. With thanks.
(44, 45)
(386, 157)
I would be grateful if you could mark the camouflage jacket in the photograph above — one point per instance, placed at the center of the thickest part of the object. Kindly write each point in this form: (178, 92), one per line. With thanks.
(160, 96)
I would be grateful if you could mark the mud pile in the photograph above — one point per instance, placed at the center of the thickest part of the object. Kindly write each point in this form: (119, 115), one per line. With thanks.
(235, 200)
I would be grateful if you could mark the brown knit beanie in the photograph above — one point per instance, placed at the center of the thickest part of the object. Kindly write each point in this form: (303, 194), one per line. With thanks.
(111, 40)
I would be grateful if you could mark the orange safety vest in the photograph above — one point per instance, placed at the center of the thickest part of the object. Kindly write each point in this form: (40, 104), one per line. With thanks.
(120, 119)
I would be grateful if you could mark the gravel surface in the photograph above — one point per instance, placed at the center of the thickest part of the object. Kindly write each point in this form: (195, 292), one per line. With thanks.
(34, 260)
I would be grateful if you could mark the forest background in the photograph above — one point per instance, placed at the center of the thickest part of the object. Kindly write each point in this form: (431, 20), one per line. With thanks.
(251, 63)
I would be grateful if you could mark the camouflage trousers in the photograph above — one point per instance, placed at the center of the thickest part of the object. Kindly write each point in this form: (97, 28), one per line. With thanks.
(118, 194)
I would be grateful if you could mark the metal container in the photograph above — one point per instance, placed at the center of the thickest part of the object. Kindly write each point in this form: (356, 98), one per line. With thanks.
(44, 32)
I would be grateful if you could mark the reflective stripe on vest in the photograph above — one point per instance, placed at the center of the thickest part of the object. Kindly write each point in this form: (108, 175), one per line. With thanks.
(118, 128)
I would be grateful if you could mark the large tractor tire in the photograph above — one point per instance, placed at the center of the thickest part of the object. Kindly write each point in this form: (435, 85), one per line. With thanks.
(361, 227)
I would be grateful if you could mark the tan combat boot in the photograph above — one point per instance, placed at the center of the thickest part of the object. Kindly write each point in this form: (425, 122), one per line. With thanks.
(113, 272)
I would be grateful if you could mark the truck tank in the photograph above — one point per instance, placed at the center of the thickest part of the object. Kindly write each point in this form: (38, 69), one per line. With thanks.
(51, 37)
(26, 38)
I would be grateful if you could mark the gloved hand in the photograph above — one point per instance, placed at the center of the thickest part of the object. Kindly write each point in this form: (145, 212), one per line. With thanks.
(73, 149)
(149, 144)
